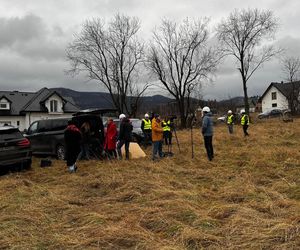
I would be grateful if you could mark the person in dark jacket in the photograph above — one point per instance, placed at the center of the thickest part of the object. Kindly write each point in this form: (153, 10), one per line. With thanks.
(85, 130)
(207, 132)
(125, 134)
(72, 136)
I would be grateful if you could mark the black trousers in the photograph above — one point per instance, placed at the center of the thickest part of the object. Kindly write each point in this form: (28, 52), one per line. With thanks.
(72, 152)
(209, 147)
(119, 146)
(168, 137)
(245, 127)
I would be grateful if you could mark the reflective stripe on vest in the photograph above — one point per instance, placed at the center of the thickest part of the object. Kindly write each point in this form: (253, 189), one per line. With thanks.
(229, 119)
(245, 120)
(147, 124)
(166, 126)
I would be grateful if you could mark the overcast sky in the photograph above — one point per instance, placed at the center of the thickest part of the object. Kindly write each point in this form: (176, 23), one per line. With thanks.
(34, 35)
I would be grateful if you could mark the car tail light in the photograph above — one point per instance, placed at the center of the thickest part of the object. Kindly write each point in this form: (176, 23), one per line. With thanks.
(24, 143)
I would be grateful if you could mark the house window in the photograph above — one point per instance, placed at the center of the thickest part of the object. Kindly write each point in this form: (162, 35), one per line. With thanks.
(3, 105)
(18, 123)
(53, 106)
(274, 105)
(274, 96)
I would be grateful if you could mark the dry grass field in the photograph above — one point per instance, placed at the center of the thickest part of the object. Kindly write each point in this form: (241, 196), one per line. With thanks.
(247, 198)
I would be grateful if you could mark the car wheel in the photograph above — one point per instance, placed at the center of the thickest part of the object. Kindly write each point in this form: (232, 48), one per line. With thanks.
(60, 152)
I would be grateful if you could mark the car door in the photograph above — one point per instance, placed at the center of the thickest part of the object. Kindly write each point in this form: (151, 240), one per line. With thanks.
(55, 134)
(33, 136)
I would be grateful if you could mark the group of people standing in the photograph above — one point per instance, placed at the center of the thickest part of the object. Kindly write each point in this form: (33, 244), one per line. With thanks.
(156, 131)
(77, 141)
(244, 121)
(207, 128)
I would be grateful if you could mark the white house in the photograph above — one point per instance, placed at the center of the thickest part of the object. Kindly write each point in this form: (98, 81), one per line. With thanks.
(277, 95)
(22, 108)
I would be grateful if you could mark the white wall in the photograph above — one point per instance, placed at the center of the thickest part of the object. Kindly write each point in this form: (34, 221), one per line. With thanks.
(25, 121)
(282, 102)
(13, 120)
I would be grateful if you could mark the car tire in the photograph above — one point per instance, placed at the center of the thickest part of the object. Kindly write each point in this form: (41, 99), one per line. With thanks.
(60, 152)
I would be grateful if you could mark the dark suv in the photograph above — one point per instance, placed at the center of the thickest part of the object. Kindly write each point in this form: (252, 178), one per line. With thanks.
(47, 137)
(14, 148)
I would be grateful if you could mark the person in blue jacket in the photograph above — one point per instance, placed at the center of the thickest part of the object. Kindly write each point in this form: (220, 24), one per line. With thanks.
(207, 132)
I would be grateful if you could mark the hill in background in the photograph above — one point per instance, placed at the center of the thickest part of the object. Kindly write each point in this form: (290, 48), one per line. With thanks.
(103, 100)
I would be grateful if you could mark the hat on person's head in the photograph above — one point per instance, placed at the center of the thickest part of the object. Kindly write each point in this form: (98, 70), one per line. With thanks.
(122, 116)
(146, 115)
(206, 109)
(229, 112)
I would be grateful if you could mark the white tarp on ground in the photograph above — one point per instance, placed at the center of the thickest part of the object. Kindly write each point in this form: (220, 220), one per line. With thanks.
(135, 151)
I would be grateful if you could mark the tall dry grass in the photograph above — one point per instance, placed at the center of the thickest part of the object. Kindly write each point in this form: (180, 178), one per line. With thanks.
(247, 198)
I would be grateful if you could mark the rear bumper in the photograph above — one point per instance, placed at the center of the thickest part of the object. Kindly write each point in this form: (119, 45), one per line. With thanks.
(25, 157)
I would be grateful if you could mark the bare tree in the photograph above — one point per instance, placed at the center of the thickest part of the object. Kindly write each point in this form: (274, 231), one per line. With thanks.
(112, 55)
(180, 58)
(291, 68)
(242, 35)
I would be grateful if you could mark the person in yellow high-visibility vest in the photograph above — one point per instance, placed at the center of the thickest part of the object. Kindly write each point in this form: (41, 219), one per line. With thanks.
(230, 121)
(146, 127)
(245, 122)
(166, 125)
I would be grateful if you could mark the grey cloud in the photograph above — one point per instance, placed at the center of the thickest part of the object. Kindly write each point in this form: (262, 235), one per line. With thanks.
(29, 36)
(18, 29)
(290, 45)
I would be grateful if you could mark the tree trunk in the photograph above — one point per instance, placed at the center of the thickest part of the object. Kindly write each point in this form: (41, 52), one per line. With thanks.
(181, 106)
(246, 101)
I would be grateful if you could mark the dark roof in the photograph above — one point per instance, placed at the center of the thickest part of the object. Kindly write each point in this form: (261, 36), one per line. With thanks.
(37, 103)
(284, 88)
(34, 102)
(17, 99)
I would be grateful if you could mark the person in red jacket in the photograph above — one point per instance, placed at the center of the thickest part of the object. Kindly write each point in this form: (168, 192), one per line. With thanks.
(111, 139)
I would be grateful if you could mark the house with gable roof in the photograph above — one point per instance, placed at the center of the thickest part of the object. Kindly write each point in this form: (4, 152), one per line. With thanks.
(22, 108)
(280, 95)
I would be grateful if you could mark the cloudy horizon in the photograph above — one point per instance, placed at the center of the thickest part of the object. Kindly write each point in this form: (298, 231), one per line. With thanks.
(35, 34)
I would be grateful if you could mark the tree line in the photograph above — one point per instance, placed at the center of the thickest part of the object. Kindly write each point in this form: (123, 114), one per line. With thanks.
(179, 57)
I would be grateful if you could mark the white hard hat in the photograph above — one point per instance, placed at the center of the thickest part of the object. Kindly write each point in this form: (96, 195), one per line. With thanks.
(121, 116)
(229, 112)
(242, 111)
(206, 109)
(146, 116)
